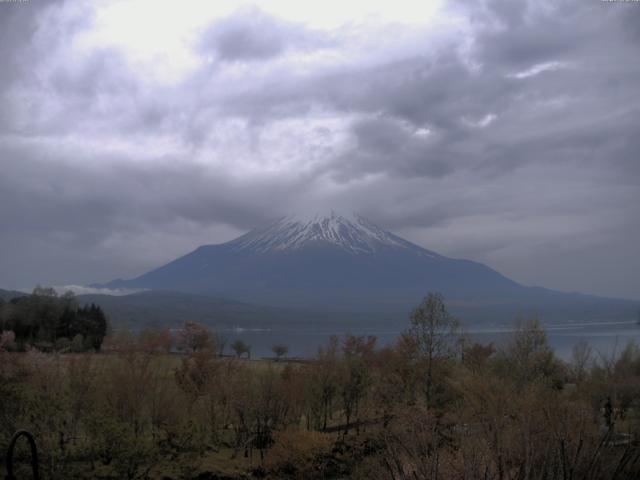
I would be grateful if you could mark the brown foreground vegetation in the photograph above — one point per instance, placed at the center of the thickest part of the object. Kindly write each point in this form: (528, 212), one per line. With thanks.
(432, 406)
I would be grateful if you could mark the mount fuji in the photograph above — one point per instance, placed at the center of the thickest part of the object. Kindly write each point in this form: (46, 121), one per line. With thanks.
(345, 262)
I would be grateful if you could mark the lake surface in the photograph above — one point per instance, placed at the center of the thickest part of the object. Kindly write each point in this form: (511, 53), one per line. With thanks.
(604, 337)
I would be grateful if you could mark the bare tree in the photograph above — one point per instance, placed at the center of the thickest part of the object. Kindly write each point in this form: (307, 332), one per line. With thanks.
(355, 378)
(280, 350)
(240, 348)
(194, 337)
(435, 332)
(581, 359)
(528, 356)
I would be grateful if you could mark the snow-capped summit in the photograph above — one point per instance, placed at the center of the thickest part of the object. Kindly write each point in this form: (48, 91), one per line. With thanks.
(350, 232)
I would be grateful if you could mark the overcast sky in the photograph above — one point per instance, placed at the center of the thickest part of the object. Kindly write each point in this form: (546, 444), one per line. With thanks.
(506, 132)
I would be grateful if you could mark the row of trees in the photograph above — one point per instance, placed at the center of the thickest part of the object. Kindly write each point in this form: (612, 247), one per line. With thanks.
(52, 322)
(432, 406)
(192, 337)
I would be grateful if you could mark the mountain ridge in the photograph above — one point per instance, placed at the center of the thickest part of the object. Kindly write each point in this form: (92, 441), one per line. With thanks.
(291, 257)
(347, 263)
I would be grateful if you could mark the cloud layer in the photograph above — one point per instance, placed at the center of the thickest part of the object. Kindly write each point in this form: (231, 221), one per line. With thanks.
(504, 132)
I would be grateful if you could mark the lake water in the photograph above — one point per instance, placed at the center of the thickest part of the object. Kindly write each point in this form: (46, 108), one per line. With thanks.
(604, 337)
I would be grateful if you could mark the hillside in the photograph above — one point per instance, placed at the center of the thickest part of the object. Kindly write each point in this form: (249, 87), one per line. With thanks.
(167, 308)
(9, 294)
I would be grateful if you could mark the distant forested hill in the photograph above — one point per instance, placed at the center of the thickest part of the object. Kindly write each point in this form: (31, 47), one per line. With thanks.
(7, 295)
(172, 309)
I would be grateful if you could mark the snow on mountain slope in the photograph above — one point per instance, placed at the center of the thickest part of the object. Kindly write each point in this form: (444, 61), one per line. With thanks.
(351, 233)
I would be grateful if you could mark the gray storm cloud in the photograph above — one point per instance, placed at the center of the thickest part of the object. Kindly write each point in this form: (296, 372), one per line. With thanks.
(252, 35)
(508, 137)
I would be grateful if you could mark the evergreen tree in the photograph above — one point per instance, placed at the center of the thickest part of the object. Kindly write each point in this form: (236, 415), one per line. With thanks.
(44, 317)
